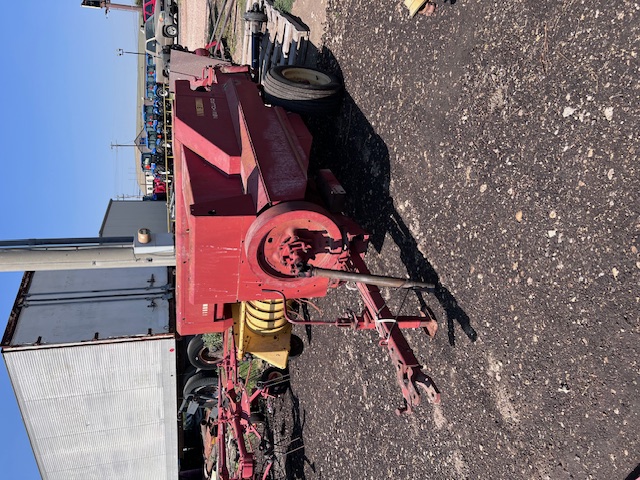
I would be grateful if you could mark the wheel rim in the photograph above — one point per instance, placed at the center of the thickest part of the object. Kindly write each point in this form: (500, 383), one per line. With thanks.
(275, 382)
(208, 357)
(306, 76)
(207, 390)
(272, 234)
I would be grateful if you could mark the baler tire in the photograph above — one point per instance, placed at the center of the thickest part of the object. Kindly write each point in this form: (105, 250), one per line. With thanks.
(301, 79)
(302, 90)
(199, 383)
(273, 374)
(323, 106)
(288, 92)
(196, 352)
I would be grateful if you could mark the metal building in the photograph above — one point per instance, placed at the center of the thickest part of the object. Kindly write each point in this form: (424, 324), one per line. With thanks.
(91, 355)
(125, 217)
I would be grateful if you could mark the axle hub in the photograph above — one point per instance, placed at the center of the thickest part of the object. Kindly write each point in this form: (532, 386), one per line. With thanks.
(288, 235)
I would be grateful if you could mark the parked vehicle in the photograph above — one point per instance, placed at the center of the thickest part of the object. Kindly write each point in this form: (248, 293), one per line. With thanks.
(158, 189)
(160, 31)
(149, 162)
(160, 90)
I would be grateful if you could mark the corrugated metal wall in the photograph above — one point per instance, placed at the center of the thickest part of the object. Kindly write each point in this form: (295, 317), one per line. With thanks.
(75, 305)
(101, 410)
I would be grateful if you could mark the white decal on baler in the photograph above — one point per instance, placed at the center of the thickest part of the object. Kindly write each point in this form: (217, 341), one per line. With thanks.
(214, 108)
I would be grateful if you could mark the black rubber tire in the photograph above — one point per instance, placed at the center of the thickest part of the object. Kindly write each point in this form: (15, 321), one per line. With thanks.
(271, 375)
(302, 90)
(163, 92)
(255, 17)
(303, 80)
(170, 31)
(200, 357)
(202, 383)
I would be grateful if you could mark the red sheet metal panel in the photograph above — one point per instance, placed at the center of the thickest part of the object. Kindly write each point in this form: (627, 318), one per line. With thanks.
(198, 312)
(302, 134)
(270, 146)
(203, 124)
(218, 217)
(216, 204)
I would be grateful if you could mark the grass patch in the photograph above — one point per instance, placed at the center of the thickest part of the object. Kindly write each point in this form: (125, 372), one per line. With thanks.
(257, 366)
(283, 5)
(231, 37)
(213, 341)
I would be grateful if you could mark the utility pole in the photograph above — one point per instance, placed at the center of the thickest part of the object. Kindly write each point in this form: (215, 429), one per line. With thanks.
(121, 52)
(107, 5)
(118, 145)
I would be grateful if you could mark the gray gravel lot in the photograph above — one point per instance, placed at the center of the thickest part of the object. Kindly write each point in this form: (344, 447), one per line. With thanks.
(493, 149)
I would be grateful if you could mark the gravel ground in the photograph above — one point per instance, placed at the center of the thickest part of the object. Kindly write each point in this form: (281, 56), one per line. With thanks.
(193, 17)
(499, 145)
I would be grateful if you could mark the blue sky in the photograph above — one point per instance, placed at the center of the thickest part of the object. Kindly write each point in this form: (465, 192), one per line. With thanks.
(66, 97)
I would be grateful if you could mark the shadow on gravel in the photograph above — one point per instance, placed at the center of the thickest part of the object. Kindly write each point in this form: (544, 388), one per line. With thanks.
(295, 457)
(635, 474)
(350, 147)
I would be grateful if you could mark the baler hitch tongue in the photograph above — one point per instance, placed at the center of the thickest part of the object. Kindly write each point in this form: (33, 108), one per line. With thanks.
(429, 388)
(413, 388)
(368, 279)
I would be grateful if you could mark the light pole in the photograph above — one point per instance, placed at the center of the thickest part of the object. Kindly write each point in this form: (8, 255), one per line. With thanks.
(121, 52)
(107, 5)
